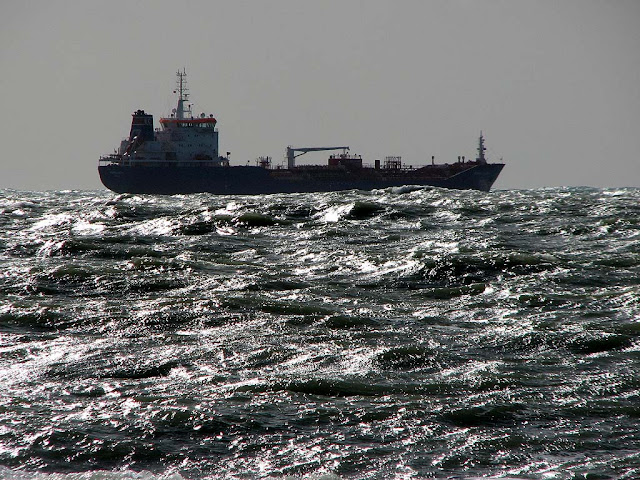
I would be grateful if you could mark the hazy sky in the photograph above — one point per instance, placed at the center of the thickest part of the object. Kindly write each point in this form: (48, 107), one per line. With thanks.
(554, 85)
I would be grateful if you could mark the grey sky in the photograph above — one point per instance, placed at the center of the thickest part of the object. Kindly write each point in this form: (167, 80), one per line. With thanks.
(555, 85)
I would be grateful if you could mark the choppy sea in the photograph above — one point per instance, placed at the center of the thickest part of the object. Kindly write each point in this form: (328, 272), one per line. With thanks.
(394, 334)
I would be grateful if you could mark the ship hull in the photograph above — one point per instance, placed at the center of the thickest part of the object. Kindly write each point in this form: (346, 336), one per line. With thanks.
(247, 180)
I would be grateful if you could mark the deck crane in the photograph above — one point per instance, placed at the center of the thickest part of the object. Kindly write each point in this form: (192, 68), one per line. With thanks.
(291, 153)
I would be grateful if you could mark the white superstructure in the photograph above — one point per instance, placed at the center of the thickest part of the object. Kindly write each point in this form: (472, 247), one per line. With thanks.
(182, 139)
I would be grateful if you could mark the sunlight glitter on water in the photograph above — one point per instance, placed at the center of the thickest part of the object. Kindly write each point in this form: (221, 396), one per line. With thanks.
(388, 334)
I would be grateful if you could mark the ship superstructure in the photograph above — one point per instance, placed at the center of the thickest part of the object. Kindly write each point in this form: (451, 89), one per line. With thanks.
(181, 140)
(182, 157)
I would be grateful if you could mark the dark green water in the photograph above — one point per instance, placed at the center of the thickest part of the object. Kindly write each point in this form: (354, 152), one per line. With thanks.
(393, 334)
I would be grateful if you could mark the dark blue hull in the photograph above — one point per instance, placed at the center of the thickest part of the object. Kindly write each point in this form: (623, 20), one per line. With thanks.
(256, 180)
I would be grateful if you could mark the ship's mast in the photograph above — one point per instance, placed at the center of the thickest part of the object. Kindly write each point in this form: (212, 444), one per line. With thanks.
(481, 149)
(183, 95)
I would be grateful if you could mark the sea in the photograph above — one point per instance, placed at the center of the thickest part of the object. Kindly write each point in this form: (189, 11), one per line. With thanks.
(402, 333)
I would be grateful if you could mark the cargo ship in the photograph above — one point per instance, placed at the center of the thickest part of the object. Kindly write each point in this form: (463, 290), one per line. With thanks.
(182, 157)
